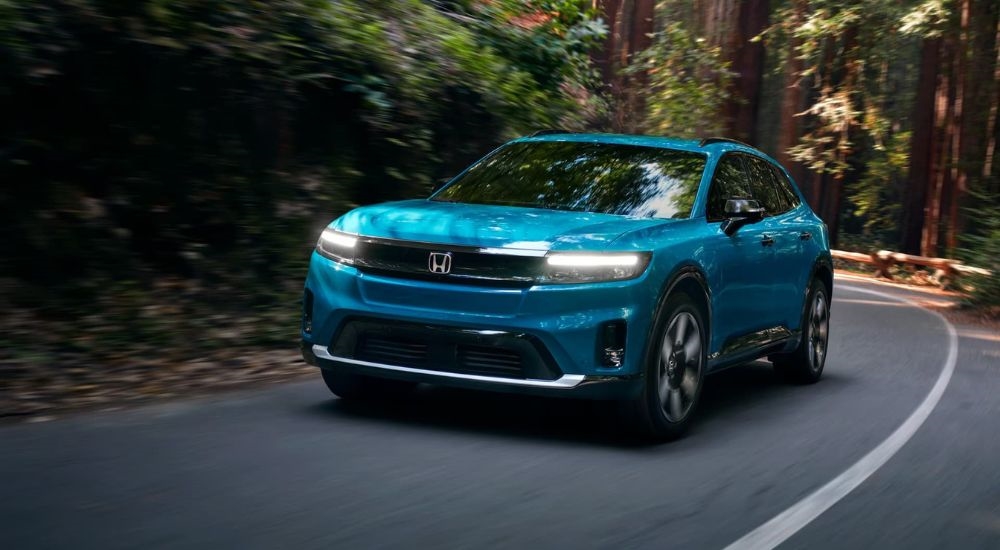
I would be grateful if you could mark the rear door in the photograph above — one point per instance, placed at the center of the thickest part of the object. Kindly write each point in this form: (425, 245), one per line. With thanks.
(782, 235)
(802, 246)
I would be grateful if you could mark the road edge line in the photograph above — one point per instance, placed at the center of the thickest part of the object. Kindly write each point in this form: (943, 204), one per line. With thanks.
(782, 526)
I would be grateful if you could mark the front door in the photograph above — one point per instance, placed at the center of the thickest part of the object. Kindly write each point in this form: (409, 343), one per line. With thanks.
(744, 294)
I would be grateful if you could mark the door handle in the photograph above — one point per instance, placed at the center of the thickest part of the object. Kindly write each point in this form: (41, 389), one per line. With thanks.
(805, 236)
(767, 240)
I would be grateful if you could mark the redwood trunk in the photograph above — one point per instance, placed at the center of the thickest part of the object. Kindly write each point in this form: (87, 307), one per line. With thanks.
(958, 179)
(920, 147)
(792, 104)
(940, 148)
(748, 65)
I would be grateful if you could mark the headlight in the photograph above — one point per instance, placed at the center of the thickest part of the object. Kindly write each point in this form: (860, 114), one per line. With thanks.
(571, 267)
(337, 246)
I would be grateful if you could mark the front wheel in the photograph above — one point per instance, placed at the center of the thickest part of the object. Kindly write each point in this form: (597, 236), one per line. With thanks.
(804, 365)
(675, 367)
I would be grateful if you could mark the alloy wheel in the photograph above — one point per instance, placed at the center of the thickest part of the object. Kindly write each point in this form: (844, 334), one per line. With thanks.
(819, 330)
(680, 366)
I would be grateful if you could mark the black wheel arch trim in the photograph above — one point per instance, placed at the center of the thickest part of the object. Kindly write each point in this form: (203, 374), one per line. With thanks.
(822, 261)
(679, 274)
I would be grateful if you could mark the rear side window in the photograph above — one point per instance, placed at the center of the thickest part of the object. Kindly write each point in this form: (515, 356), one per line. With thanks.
(765, 187)
(785, 187)
(729, 182)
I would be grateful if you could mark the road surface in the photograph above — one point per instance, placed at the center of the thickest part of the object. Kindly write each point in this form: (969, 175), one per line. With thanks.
(292, 467)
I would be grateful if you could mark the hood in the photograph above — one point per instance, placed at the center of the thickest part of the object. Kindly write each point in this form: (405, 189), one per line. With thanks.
(489, 226)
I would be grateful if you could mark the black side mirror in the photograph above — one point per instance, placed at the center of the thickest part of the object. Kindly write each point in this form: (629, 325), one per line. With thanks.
(740, 212)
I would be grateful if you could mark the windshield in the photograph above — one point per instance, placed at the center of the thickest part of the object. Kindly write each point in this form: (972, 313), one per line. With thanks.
(627, 180)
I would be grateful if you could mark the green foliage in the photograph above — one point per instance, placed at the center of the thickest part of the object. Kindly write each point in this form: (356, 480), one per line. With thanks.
(982, 249)
(876, 197)
(686, 83)
(860, 65)
(209, 141)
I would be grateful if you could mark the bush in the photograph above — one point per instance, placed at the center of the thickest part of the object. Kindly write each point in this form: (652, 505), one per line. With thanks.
(207, 142)
(982, 249)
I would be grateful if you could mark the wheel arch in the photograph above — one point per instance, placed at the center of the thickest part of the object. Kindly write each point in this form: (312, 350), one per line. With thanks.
(822, 269)
(690, 279)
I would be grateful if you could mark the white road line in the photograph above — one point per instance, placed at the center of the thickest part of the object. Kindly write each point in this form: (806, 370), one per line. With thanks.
(800, 514)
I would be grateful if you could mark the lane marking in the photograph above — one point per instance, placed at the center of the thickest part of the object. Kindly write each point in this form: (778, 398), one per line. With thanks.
(800, 514)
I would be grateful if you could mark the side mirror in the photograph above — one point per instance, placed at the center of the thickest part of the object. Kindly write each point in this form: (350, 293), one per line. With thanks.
(740, 212)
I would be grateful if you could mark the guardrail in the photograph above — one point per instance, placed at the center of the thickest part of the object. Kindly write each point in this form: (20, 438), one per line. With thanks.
(946, 269)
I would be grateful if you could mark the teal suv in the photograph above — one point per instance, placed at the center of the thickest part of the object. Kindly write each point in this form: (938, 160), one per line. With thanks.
(610, 267)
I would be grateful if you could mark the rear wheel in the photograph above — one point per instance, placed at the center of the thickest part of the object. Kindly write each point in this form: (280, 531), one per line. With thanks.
(356, 387)
(675, 366)
(805, 364)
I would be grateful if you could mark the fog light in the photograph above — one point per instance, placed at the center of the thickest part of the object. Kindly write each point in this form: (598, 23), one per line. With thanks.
(307, 312)
(612, 344)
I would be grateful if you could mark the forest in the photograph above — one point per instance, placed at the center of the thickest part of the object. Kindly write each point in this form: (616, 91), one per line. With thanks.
(167, 165)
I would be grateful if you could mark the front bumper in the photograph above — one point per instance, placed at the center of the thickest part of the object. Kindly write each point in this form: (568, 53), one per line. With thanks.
(562, 323)
(566, 385)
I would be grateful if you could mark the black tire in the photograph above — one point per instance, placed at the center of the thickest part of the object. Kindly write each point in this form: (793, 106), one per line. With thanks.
(804, 365)
(355, 387)
(672, 381)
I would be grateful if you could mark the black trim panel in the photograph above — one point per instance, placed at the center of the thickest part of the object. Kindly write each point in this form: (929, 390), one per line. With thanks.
(444, 348)
(467, 265)
(752, 346)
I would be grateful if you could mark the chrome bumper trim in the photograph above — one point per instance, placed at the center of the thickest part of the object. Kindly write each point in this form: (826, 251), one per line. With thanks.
(566, 381)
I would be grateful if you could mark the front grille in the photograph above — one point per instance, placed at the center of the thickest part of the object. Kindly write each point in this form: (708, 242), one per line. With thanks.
(445, 349)
(381, 350)
(489, 361)
(469, 265)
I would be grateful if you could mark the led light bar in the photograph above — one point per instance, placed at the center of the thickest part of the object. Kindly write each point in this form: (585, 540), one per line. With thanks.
(337, 238)
(593, 260)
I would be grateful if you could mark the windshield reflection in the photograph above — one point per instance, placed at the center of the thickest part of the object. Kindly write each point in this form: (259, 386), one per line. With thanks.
(630, 180)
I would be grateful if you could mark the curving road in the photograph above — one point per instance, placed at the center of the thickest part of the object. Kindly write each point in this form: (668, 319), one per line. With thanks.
(292, 467)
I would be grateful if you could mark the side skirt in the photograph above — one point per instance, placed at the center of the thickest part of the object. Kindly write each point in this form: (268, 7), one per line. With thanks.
(752, 346)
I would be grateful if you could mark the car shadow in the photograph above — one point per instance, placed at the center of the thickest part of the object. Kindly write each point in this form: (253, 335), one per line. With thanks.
(725, 395)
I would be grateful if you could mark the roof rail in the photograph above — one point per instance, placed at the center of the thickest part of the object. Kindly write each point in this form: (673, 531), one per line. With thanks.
(547, 132)
(711, 140)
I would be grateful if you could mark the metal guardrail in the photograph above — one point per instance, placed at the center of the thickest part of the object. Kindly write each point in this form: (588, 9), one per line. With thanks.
(946, 268)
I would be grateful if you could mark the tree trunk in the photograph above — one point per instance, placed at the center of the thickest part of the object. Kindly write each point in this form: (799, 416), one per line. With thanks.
(747, 60)
(792, 104)
(920, 147)
(604, 57)
(979, 113)
(940, 148)
(851, 73)
(639, 38)
(992, 129)
(992, 156)
(715, 19)
(630, 24)
(958, 178)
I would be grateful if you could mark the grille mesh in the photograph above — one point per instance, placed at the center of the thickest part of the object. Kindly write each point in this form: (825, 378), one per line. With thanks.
(489, 360)
(381, 350)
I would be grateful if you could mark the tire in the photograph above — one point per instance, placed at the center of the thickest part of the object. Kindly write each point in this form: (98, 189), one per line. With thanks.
(355, 387)
(804, 365)
(674, 372)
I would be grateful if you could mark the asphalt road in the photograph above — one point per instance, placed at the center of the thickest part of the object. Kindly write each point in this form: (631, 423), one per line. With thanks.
(292, 467)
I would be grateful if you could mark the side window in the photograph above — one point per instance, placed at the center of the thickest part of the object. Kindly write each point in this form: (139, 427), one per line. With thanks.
(764, 187)
(785, 187)
(729, 182)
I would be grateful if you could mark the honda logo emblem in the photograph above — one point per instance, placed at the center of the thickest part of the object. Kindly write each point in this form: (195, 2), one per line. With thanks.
(439, 262)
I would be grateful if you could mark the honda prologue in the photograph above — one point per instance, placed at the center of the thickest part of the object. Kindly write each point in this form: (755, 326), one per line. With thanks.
(601, 266)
